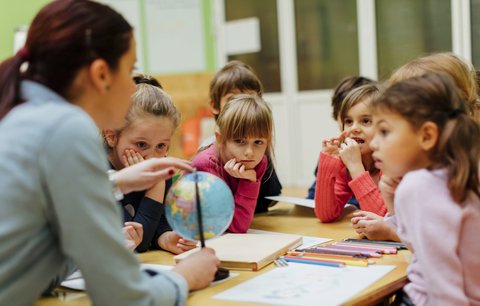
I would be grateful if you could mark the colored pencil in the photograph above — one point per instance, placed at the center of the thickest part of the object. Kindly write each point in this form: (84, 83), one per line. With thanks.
(313, 261)
(347, 262)
(398, 245)
(332, 252)
(362, 247)
(340, 250)
(351, 257)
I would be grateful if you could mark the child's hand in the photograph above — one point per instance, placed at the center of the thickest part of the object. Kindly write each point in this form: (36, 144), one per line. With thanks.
(332, 146)
(130, 158)
(364, 215)
(387, 187)
(374, 229)
(238, 170)
(133, 232)
(351, 156)
(172, 242)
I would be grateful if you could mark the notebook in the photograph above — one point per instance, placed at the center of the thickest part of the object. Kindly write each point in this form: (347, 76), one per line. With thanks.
(249, 251)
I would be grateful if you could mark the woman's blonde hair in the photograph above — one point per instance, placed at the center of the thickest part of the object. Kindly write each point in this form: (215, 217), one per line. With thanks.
(245, 116)
(461, 72)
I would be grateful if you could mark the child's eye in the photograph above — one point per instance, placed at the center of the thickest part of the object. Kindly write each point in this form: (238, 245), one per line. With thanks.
(367, 121)
(239, 141)
(348, 122)
(161, 146)
(141, 145)
(383, 132)
(259, 142)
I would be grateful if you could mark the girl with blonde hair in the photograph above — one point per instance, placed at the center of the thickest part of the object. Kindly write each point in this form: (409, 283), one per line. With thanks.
(239, 155)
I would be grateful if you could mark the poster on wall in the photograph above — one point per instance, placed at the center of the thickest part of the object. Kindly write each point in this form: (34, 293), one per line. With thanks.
(130, 10)
(175, 36)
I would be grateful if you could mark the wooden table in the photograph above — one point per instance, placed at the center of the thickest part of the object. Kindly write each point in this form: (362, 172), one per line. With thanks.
(286, 218)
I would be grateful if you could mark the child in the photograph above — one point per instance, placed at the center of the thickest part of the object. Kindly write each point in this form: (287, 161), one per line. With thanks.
(235, 78)
(239, 155)
(424, 134)
(462, 73)
(346, 165)
(341, 91)
(464, 77)
(149, 126)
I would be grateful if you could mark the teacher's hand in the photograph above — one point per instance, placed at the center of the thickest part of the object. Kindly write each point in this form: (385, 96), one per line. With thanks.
(147, 173)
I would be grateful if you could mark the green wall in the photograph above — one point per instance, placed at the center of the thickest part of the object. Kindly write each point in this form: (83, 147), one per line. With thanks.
(14, 13)
(210, 45)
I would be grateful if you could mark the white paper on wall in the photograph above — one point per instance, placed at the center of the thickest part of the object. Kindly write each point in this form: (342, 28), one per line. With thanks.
(175, 36)
(243, 36)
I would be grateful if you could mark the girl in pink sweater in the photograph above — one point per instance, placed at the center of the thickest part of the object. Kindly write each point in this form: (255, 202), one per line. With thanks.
(424, 134)
(346, 166)
(239, 155)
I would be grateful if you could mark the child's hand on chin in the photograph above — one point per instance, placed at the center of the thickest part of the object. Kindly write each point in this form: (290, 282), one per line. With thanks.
(238, 170)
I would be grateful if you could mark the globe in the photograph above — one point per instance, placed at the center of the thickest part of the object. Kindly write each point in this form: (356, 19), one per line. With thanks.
(216, 202)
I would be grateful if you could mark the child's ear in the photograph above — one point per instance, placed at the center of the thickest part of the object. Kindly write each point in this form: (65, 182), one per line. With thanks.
(111, 137)
(218, 137)
(428, 135)
(214, 111)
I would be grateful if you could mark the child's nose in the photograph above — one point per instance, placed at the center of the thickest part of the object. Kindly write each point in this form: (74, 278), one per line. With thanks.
(374, 143)
(249, 151)
(355, 128)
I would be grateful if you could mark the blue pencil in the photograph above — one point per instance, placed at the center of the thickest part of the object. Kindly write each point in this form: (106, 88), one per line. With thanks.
(313, 262)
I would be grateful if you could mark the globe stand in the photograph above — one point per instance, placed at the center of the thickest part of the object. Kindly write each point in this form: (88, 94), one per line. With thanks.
(221, 273)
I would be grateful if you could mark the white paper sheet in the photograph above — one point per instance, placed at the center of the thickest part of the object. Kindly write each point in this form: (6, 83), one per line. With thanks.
(243, 36)
(308, 241)
(298, 201)
(75, 280)
(303, 284)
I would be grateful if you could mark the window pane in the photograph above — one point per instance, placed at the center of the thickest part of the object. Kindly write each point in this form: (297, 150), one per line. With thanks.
(407, 29)
(475, 20)
(327, 42)
(266, 63)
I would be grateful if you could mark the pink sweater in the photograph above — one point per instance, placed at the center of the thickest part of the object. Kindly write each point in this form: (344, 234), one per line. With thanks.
(334, 188)
(245, 192)
(445, 267)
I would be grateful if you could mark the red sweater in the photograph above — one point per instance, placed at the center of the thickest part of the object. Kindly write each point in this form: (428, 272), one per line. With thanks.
(245, 192)
(334, 188)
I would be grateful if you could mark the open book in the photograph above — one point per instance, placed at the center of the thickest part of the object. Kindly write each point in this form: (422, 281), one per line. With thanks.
(248, 251)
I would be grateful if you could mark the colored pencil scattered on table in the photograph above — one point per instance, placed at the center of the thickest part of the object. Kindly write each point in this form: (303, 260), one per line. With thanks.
(313, 261)
(398, 245)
